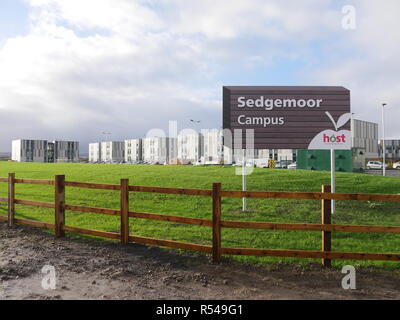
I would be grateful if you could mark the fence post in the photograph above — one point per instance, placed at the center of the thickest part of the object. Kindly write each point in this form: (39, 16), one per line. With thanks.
(59, 205)
(124, 211)
(216, 248)
(11, 199)
(326, 219)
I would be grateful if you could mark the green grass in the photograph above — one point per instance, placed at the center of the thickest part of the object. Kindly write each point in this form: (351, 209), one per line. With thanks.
(269, 210)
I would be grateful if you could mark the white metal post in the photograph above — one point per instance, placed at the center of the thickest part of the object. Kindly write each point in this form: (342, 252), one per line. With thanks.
(352, 128)
(333, 170)
(383, 141)
(244, 181)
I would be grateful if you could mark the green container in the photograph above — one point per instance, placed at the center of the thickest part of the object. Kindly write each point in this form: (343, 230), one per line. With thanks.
(321, 160)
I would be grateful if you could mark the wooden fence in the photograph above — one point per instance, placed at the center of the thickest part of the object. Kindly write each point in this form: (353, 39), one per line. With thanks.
(216, 223)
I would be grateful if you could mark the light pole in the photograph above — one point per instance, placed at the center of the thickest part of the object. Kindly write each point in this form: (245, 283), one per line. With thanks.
(106, 133)
(383, 141)
(196, 124)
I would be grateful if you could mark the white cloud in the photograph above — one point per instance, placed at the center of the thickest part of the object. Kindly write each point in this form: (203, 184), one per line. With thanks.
(278, 20)
(367, 62)
(118, 16)
(67, 84)
(126, 66)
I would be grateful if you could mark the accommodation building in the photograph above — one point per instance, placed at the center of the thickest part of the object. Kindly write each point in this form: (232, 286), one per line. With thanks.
(95, 152)
(392, 149)
(107, 152)
(63, 151)
(112, 151)
(159, 150)
(27, 150)
(213, 147)
(189, 147)
(133, 150)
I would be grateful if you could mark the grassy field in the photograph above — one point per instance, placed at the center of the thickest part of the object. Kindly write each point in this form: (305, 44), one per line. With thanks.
(270, 210)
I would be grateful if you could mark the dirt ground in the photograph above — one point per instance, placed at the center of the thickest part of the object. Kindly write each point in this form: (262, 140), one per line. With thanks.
(94, 269)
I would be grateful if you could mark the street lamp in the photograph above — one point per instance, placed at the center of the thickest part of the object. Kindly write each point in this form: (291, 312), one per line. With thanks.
(196, 123)
(106, 133)
(383, 141)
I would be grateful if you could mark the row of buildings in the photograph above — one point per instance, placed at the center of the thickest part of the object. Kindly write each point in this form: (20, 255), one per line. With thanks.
(208, 148)
(187, 148)
(205, 148)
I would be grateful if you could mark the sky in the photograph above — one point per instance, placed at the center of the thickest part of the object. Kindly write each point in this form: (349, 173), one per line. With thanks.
(74, 69)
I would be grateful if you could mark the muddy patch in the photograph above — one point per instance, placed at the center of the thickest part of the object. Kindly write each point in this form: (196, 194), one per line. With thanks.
(95, 269)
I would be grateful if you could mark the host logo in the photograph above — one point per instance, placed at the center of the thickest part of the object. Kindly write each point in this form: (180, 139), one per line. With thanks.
(334, 139)
(329, 139)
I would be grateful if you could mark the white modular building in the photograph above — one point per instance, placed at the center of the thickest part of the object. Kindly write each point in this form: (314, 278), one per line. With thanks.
(189, 147)
(63, 151)
(26, 150)
(392, 149)
(112, 151)
(215, 152)
(159, 150)
(95, 152)
(213, 147)
(107, 152)
(133, 150)
(172, 151)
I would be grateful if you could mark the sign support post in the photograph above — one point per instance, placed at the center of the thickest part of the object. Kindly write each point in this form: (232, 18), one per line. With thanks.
(333, 176)
(244, 181)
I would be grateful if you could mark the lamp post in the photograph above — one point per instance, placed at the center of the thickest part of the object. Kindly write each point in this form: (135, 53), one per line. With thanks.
(383, 141)
(196, 124)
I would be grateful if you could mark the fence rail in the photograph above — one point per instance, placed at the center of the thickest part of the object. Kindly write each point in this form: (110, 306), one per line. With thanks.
(32, 181)
(216, 223)
(312, 195)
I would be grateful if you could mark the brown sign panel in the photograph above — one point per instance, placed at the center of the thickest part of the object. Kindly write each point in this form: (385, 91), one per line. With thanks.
(290, 117)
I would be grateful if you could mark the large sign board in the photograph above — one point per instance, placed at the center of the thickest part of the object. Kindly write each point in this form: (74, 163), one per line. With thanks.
(290, 117)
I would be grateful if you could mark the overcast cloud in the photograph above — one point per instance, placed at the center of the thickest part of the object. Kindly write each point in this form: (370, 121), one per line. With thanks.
(123, 66)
